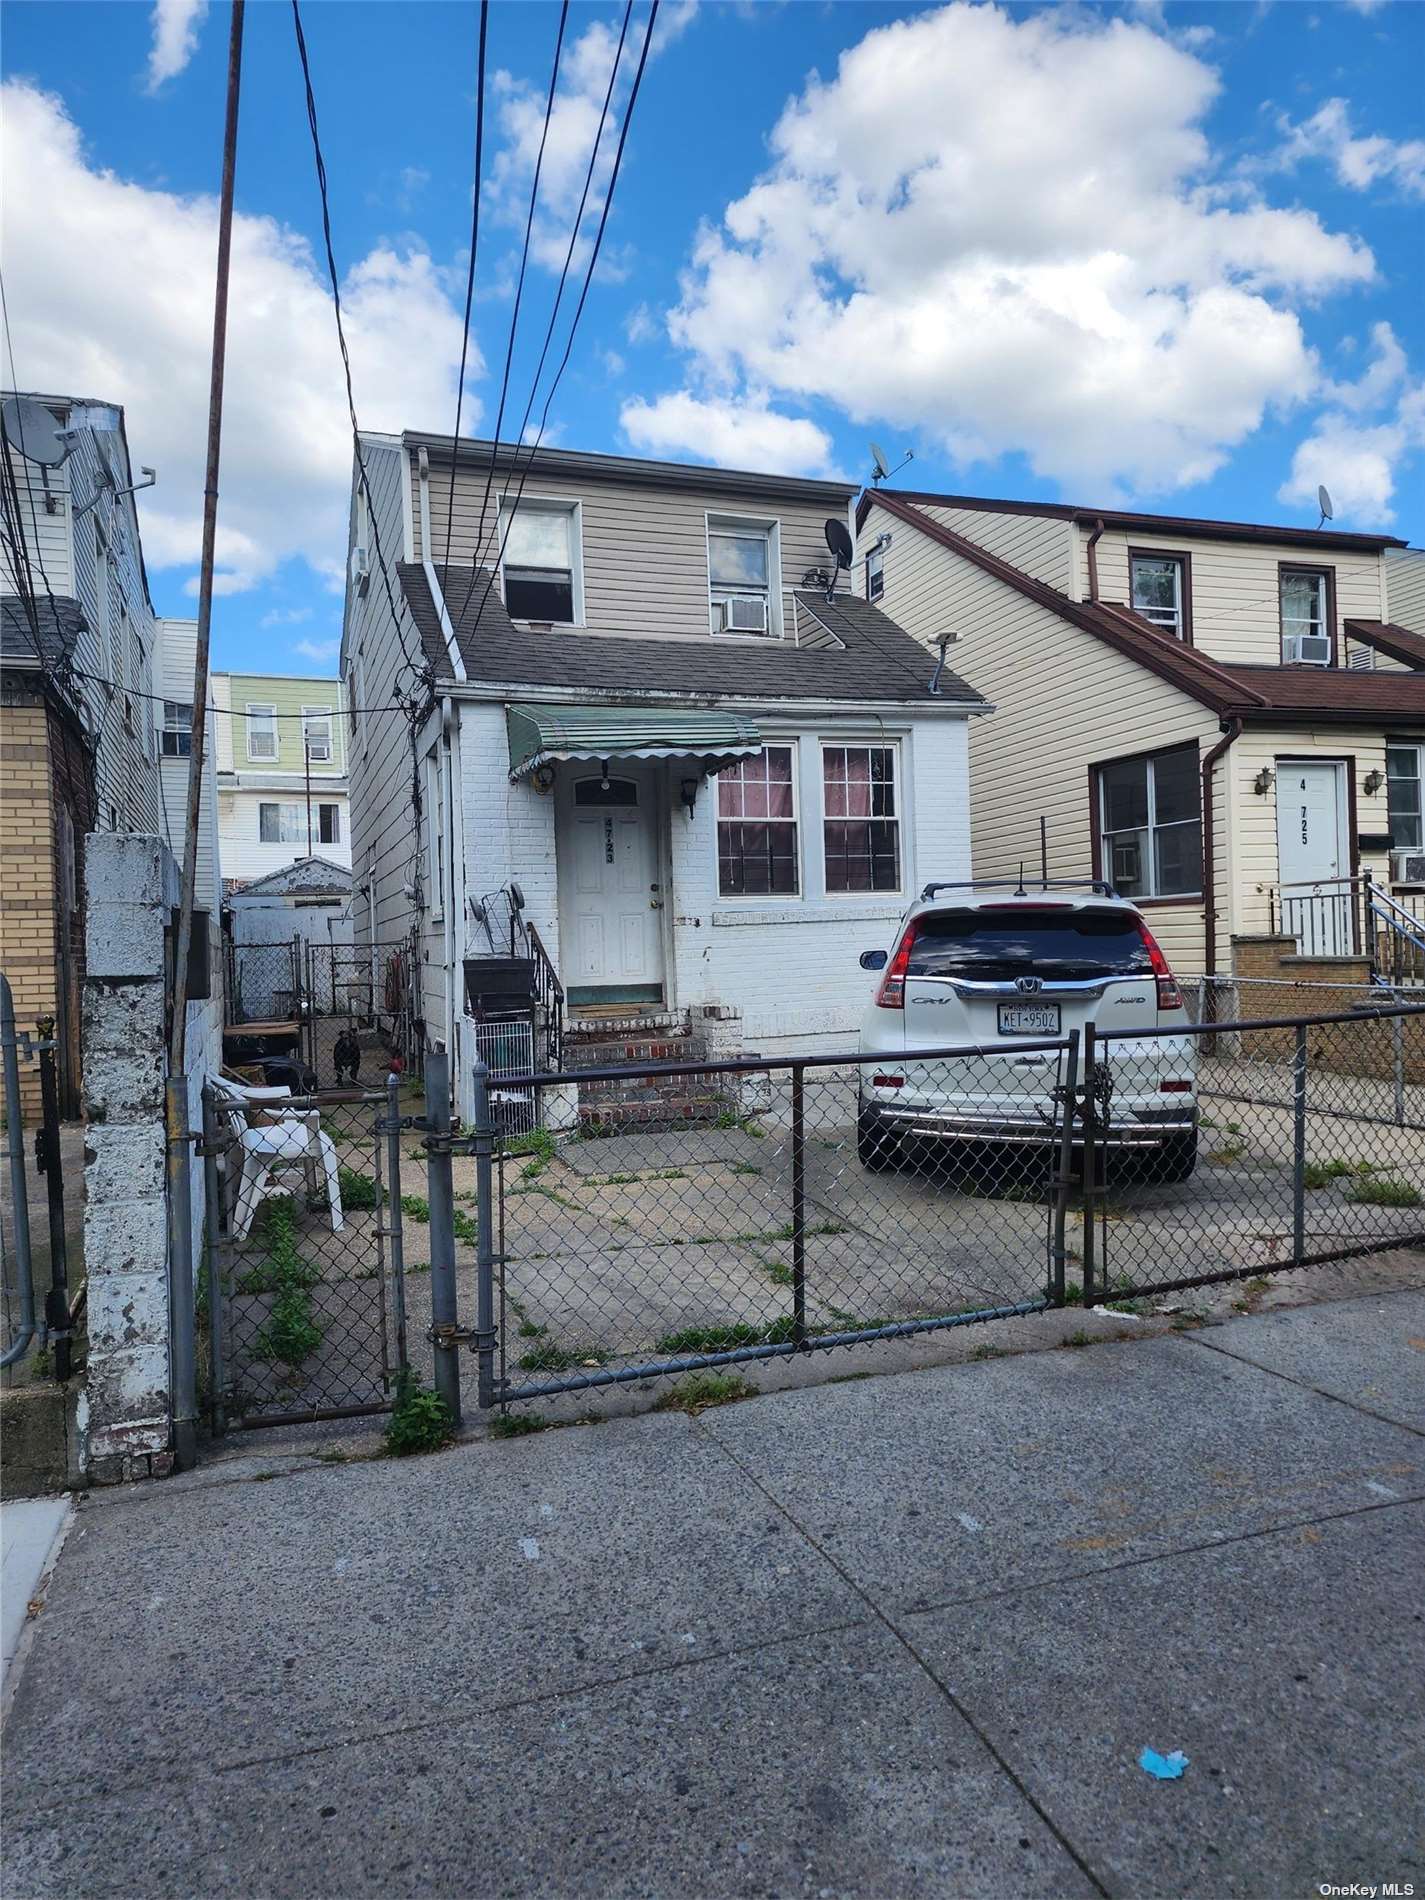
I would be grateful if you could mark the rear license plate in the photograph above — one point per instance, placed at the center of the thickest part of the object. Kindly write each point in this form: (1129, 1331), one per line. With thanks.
(1029, 1019)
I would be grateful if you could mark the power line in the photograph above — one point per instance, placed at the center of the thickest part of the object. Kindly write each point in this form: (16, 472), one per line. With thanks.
(470, 274)
(519, 283)
(578, 309)
(228, 712)
(419, 668)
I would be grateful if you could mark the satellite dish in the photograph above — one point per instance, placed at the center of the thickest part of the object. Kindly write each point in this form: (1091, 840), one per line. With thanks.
(838, 539)
(1323, 498)
(31, 428)
(879, 465)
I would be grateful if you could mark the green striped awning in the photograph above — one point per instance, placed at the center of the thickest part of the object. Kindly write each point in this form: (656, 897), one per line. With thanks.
(544, 735)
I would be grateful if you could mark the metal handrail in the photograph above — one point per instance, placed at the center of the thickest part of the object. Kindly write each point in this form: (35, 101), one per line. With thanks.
(550, 994)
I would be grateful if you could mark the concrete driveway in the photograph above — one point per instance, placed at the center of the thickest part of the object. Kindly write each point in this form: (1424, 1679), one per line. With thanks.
(902, 1636)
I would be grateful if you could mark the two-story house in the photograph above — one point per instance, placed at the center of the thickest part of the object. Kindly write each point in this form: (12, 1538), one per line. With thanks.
(78, 741)
(642, 694)
(281, 773)
(1222, 718)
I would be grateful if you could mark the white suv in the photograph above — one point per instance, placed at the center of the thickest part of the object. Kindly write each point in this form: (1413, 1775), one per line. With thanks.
(998, 969)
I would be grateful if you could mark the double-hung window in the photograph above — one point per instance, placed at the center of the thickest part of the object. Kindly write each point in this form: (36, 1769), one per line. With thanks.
(329, 823)
(317, 733)
(541, 563)
(281, 824)
(860, 818)
(1150, 824)
(757, 825)
(1305, 610)
(262, 732)
(743, 582)
(1160, 591)
(875, 573)
(176, 738)
(1402, 791)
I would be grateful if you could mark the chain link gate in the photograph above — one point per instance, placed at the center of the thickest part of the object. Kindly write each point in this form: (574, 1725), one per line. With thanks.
(305, 1284)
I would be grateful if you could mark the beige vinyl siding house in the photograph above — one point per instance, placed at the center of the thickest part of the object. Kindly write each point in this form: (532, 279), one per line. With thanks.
(1405, 587)
(1081, 682)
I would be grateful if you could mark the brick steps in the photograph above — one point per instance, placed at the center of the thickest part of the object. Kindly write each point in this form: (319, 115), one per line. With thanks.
(640, 1100)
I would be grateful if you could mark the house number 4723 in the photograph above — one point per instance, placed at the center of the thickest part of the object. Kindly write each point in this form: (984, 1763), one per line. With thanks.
(608, 841)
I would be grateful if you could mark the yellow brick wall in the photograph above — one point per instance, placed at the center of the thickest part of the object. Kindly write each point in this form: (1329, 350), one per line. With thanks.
(27, 858)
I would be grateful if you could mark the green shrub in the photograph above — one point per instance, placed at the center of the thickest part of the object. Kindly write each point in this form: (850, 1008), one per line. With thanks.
(358, 1190)
(414, 1208)
(420, 1419)
(291, 1333)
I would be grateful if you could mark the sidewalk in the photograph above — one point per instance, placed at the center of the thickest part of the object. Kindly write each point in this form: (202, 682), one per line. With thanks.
(896, 1636)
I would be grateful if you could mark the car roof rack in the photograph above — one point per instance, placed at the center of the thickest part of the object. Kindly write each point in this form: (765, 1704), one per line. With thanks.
(1099, 887)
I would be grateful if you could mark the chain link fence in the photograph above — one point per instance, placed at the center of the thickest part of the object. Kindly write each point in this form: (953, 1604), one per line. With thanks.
(668, 1218)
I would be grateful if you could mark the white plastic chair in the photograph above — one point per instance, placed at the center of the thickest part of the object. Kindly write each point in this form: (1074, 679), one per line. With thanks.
(294, 1139)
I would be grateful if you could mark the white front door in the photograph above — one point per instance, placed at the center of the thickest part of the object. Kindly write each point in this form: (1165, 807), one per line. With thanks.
(610, 899)
(1312, 852)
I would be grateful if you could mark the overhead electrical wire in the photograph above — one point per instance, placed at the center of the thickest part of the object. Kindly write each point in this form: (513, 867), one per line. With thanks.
(578, 308)
(470, 274)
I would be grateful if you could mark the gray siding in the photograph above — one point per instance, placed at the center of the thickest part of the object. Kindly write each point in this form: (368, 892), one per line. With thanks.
(177, 649)
(645, 556)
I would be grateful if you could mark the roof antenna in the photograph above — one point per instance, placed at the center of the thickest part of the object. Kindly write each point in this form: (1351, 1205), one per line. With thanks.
(881, 470)
(1323, 502)
(838, 539)
(1021, 892)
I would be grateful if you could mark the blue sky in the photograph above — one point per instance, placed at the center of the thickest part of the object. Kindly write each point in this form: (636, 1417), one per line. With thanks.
(1151, 254)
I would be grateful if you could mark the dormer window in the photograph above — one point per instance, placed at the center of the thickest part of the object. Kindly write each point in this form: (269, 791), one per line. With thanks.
(1160, 590)
(542, 568)
(1308, 632)
(744, 595)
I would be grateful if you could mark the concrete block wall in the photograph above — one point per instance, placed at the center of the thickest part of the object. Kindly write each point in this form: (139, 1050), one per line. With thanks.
(125, 1413)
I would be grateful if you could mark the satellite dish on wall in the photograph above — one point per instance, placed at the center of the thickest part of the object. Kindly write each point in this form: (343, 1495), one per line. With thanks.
(1323, 500)
(880, 467)
(31, 428)
(843, 552)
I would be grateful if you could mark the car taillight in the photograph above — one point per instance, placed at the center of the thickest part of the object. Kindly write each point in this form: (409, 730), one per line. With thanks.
(888, 1081)
(1169, 995)
(891, 994)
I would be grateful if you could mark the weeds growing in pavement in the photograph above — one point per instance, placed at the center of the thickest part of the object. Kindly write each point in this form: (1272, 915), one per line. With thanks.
(547, 1357)
(1320, 1174)
(726, 1338)
(291, 1333)
(415, 1208)
(517, 1424)
(358, 1190)
(420, 1419)
(701, 1390)
(1381, 1190)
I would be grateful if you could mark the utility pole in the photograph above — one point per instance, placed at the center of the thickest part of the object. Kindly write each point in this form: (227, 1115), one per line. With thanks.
(307, 768)
(178, 1033)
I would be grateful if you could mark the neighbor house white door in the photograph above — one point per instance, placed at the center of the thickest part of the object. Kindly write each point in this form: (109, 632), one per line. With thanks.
(610, 900)
(1312, 851)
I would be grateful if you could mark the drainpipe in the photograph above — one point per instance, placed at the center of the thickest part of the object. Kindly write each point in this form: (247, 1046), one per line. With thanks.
(444, 791)
(447, 631)
(1092, 552)
(1231, 734)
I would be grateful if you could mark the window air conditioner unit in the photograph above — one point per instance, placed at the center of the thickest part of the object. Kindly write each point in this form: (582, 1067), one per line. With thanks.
(744, 613)
(360, 568)
(1407, 867)
(1306, 649)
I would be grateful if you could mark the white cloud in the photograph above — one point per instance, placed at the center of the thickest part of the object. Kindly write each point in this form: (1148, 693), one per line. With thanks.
(1362, 441)
(1007, 233)
(285, 617)
(614, 364)
(640, 326)
(175, 38)
(1358, 163)
(110, 291)
(732, 433)
(320, 652)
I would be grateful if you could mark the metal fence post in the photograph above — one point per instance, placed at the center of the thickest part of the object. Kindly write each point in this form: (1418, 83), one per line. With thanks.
(57, 1325)
(1298, 1145)
(441, 1195)
(19, 1181)
(799, 1206)
(1397, 1063)
(393, 1215)
(217, 1289)
(1058, 1249)
(484, 1240)
(1090, 1182)
(182, 1317)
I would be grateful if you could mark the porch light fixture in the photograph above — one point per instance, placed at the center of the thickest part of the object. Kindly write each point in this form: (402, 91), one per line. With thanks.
(604, 772)
(1264, 781)
(1372, 783)
(688, 792)
(542, 779)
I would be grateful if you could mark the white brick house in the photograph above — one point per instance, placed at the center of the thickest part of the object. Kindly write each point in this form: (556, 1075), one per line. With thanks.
(705, 820)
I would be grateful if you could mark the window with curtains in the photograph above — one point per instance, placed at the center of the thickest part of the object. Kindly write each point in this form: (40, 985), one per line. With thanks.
(282, 824)
(860, 818)
(757, 854)
(1158, 591)
(1304, 602)
(1150, 824)
(317, 733)
(262, 732)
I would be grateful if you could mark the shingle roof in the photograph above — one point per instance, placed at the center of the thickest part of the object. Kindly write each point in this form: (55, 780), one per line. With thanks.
(875, 660)
(1259, 694)
(1399, 642)
(59, 628)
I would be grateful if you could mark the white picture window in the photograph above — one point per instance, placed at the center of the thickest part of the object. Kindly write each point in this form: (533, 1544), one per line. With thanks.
(262, 732)
(744, 584)
(861, 827)
(281, 824)
(317, 731)
(542, 561)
